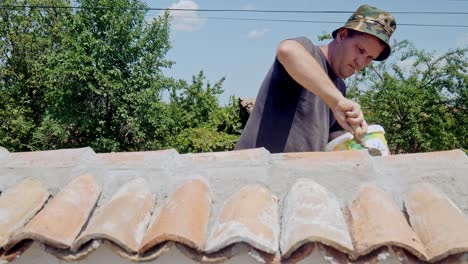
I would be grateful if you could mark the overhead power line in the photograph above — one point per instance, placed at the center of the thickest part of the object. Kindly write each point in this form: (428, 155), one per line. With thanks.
(11, 7)
(236, 10)
(313, 21)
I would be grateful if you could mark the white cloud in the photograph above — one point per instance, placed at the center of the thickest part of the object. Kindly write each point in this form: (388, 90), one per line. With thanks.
(462, 41)
(186, 20)
(257, 33)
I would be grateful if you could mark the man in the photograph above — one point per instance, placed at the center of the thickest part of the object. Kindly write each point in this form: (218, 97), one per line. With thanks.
(301, 103)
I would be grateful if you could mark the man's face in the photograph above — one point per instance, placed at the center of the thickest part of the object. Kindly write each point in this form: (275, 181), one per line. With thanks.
(354, 53)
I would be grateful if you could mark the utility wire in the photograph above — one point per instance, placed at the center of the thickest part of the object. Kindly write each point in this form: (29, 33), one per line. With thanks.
(311, 21)
(11, 7)
(234, 10)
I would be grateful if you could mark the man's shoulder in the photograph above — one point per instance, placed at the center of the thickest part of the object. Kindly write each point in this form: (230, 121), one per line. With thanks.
(306, 43)
(303, 40)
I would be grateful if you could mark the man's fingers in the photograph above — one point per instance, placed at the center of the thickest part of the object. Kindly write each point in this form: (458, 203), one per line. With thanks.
(360, 131)
(352, 114)
(358, 134)
(355, 121)
(364, 126)
(349, 115)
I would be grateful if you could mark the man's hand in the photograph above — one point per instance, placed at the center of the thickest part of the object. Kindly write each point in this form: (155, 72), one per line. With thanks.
(349, 115)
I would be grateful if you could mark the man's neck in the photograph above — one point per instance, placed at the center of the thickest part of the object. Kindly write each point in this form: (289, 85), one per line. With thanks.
(324, 50)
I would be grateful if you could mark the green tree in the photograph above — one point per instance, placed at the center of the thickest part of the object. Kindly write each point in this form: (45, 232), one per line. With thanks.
(420, 98)
(203, 124)
(93, 77)
(104, 76)
(27, 37)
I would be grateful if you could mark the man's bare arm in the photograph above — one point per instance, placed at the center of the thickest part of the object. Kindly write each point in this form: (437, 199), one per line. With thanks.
(305, 70)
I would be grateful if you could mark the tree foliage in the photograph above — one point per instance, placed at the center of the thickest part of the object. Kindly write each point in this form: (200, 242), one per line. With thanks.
(27, 36)
(93, 77)
(420, 98)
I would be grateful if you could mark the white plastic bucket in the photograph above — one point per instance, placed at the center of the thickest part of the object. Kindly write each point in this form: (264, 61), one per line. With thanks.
(375, 138)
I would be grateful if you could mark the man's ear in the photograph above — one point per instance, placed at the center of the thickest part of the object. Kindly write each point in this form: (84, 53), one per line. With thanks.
(341, 34)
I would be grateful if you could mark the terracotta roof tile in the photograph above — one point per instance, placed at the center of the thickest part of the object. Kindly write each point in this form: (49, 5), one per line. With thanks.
(123, 219)
(59, 223)
(224, 207)
(439, 223)
(183, 218)
(376, 221)
(68, 255)
(263, 257)
(18, 205)
(203, 257)
(151, 254)
(312, 214)
(250, 216)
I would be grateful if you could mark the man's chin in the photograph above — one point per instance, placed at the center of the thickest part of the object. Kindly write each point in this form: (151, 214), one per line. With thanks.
(345, 75)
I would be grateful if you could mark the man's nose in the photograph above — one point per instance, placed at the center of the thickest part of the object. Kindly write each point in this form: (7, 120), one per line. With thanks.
(361, 62)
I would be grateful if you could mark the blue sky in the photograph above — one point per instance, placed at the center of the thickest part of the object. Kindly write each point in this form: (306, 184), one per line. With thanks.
(243, 51)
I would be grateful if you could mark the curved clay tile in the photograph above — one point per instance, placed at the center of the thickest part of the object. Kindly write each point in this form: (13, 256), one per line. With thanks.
(376, 221)
(304, 251)
(433, 215)
(183, 218)
(60, 222)
(18, 205)
(200, 257)
(263, 257)
(68, 255)
(250, 216)
(150, 255)
(312, 214)
(123, 219)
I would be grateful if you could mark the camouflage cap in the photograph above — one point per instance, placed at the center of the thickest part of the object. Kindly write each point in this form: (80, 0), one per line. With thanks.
(373, 21)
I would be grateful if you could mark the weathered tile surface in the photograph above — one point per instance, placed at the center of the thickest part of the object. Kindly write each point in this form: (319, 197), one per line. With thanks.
(250, 216)
(376, 221)
(439, 223)
(183, 218)
(312, 214)
(18, 205)
(59, 223)
(123, 220)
